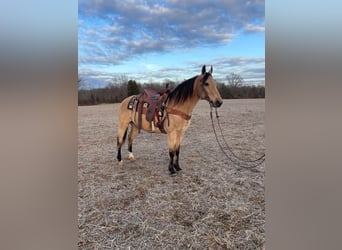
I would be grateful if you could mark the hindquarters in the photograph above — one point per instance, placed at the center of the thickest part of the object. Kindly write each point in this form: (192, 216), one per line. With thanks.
(125, 118)
(128, 115)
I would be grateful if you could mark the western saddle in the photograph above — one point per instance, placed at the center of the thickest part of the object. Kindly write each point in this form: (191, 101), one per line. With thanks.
(151, 103)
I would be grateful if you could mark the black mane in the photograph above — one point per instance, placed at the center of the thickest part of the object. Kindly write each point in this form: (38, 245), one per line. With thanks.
(183, 91)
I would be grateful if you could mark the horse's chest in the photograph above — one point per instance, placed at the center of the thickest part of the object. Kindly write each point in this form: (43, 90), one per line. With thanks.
(186, 125)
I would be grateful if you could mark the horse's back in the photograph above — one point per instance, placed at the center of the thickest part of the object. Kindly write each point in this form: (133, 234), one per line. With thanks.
(124, 104)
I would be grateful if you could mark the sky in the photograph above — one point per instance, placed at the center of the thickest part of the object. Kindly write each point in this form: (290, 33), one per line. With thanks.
(154, 41)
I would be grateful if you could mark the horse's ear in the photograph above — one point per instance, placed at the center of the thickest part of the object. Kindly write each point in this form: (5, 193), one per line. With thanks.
(203, 70)
(211, 69)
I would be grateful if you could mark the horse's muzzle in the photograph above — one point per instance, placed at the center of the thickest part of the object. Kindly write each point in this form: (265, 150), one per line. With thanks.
(216, 104)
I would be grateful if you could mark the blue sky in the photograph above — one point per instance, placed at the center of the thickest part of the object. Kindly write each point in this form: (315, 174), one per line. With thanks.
(151, 41)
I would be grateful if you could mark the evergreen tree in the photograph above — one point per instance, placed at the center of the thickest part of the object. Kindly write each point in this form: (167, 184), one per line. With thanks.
(132, 88)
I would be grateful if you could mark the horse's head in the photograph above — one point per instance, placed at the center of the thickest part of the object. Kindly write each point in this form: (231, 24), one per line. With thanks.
(208, 88)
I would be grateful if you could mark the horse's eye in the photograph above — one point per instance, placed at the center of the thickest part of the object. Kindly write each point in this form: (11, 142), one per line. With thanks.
(206, 84)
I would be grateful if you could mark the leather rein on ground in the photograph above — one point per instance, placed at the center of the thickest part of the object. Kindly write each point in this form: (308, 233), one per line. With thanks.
(235, 159)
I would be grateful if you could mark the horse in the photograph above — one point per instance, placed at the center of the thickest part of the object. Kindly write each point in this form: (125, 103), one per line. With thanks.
(179, 105)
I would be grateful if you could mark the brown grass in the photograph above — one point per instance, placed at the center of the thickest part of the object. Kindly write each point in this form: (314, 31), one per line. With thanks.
(210, 204)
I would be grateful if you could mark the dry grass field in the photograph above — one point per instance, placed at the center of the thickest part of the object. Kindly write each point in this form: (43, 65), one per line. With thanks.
(210, 204)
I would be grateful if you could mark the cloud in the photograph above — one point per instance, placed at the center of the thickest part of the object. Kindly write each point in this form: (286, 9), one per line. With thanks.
(249, 68)
(239, 61)
(112, 31)
(94, 78)
(254, 28)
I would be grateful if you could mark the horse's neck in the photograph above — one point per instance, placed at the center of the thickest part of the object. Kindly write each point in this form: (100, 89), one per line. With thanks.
(188, 106)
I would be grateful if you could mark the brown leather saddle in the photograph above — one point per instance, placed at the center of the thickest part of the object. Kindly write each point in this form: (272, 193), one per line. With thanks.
(151, 103)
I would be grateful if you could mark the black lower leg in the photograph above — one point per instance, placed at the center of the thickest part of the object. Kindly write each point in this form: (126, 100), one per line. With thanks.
(119, 150)
(119, 144)
(171, 166)
(119, 154)
(130, 148)
(176, 165)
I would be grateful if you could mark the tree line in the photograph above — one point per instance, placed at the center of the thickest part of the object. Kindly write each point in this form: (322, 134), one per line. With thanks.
(120, 87)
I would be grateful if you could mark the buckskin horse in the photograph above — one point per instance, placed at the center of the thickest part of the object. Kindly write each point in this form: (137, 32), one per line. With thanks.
(171, 112)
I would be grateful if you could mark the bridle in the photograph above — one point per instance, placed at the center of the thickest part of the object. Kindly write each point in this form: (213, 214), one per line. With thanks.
(203, 82)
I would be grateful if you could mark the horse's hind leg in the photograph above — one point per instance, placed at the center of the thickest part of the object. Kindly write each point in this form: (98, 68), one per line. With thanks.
(131, 136)
(120, 140)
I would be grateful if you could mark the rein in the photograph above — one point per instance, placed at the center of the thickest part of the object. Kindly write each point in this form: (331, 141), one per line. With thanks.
(235, 159)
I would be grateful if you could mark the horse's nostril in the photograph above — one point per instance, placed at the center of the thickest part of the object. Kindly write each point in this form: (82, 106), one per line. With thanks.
(218, 103)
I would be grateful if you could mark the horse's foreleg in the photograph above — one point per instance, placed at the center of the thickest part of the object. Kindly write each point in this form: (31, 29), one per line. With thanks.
(131, 136)
(174, 160)
(174, 147)
(172, 150)
(171, 165)
(176, 164)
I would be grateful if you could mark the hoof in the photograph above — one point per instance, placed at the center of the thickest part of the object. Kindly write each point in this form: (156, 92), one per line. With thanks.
(131, 157)
(120, 163)
(173, 173)
(172, 169)
(178, 168)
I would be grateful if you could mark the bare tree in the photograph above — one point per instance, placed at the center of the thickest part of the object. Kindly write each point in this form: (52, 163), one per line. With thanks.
(118, 87)
(118, 80)
(81, 83)
(235, 80)
(169, 84)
